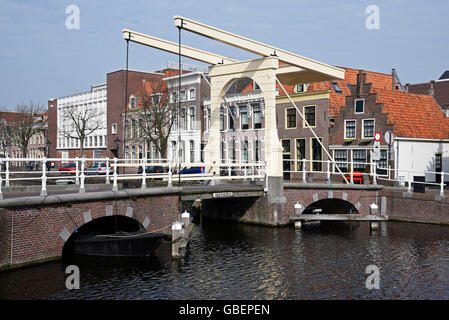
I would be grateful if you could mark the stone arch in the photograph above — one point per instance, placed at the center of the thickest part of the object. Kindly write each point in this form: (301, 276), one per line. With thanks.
(332, 206)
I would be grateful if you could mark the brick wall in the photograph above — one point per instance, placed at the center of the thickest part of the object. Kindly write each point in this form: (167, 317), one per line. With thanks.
(35, 231)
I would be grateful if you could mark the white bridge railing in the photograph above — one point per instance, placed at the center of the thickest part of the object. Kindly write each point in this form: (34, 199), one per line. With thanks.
(18, 171)
(305, 168)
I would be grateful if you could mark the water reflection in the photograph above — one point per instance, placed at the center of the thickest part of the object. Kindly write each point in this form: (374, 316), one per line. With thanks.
(235, 261)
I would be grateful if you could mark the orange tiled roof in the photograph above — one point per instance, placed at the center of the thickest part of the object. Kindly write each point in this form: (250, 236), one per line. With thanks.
(413, 115)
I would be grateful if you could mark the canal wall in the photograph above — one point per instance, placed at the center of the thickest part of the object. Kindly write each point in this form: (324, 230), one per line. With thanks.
(415, 207)
(36, 228)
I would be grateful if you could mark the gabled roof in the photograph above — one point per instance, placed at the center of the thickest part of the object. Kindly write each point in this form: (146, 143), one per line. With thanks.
(413, 115)
(445, 75)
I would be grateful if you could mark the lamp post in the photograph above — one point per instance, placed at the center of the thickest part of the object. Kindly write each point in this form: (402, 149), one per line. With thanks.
(117, 145)
(48, 143)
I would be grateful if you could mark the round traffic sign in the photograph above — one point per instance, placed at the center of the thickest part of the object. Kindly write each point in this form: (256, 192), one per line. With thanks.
(377, 136)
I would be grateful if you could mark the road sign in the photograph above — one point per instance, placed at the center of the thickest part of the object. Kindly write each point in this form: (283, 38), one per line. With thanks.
(389, 137)
(377, 136)
(376, 151)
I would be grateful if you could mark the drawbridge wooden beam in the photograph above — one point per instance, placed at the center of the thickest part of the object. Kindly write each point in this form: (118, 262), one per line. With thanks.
(327, 72)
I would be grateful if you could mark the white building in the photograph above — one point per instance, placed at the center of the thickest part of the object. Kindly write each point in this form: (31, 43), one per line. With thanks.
(95, 143)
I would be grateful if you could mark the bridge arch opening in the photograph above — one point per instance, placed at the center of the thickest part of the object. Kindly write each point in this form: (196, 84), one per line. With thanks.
(331, 206)
(103, 225)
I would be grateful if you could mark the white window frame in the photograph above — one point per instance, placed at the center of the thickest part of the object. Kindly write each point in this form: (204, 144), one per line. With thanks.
(355, 129)
(355, 106)
(363, 128)
(114, 128)
(194, 94)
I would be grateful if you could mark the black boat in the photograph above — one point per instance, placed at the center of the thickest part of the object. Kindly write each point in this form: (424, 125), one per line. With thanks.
(120, 244)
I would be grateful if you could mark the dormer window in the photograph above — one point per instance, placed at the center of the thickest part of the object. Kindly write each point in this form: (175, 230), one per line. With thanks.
(336, 87)
(256, 86)
(301, 87)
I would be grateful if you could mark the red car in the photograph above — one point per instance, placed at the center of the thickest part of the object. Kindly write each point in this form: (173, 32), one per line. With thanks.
(70, 168)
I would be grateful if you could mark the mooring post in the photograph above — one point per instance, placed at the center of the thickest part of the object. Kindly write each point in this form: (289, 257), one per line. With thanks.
(374, 210)
(177, 232)
(298, 211)
(185, 218)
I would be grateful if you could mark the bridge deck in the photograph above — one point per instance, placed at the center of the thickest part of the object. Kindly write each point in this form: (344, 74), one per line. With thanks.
(338, 217)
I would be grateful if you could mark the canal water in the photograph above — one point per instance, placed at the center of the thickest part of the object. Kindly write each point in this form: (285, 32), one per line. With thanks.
(236, 261)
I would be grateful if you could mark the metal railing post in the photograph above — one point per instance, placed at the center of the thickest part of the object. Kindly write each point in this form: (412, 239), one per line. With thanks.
(107, 171)
(169, 175)
(77, 173)
(352, 171)
(1, 182)
(144, 173)
(409, 190)
(373, 171)
(7, 172)
(114, 185)
(304, 171)
(328, 171)
(44, 178)
(82, 190)
(442, 185)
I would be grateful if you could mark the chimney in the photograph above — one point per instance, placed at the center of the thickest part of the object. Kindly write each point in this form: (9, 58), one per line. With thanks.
(406, 87)
(360, 81)
(431, 90)
(393, 79)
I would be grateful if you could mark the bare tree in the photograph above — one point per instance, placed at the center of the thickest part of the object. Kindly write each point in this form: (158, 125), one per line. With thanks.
(29, 120)
(156, 115)
(79, 123)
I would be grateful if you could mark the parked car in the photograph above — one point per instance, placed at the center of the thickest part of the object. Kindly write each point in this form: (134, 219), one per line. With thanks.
(151, 169)
(192, 170)
(69, 168)
(97, 168)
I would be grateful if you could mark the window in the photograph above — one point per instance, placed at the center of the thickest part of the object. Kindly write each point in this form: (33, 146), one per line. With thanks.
(192, 151)
(232, 116)
(132, 102)
(221, 119)
(173, 97)
(208, 118)
(382, 164)
(192, 94)
(336, 87)
(349, 129)
(245, 151)
(359, 106)
(309, 114)
(222, 151)
(350, 87)
(256, 86)
(244, 118)
(368, 128)
(257, 115)
(300, 87)
(286, 146)
(90, 142)
(100, 143)
(173, 151)
(341, 159)
(154, 151)
(156, 99)
(359, 159)
(183, 119)
(257, 150)
(317, 155)
(114, 128)
(300, 153)
(192, 118)
(290, 115)
(183, 95)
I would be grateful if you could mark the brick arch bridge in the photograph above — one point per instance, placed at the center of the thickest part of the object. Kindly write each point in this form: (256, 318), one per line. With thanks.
(36, 229)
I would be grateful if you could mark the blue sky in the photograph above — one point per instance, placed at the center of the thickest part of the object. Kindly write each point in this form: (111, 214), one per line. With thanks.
(40, 58)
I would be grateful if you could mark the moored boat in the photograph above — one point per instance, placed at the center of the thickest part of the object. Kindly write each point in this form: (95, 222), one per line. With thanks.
(120, 244)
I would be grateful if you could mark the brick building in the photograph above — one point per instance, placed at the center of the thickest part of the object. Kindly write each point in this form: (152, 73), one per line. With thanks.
(438, 89)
